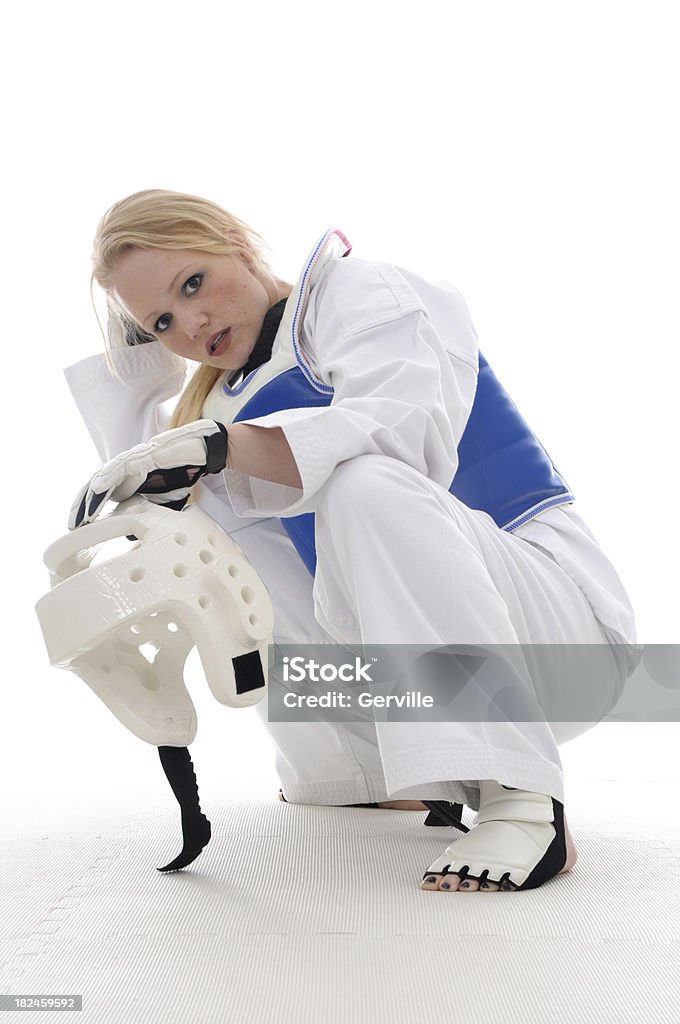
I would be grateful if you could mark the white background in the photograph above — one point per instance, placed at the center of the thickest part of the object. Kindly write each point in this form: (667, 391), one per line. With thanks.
(526, 151)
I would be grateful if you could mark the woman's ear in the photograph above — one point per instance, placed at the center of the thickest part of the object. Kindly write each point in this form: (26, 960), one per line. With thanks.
(248, 260)
(240, 243)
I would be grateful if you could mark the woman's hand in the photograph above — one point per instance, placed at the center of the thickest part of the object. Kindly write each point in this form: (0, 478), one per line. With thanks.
(164, 469)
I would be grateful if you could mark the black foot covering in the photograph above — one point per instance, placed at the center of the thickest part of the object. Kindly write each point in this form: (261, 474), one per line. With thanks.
(196, 830)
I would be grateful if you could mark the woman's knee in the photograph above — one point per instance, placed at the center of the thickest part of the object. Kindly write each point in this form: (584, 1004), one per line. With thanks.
(367, 485)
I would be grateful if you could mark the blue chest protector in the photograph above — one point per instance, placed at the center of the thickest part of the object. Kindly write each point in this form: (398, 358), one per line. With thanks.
(503, 469)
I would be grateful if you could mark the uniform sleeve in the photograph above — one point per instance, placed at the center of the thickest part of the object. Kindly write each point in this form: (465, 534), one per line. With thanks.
(399, 390)
(127, 409)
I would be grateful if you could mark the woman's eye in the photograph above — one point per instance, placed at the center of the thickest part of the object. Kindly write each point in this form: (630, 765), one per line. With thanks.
(192, 285)
(162, 323)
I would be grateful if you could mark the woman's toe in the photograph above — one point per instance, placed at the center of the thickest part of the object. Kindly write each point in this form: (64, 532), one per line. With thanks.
(468, 885)
(444, 880)
(436, 881)
(488, 887)
(449, 883)
(441, 882)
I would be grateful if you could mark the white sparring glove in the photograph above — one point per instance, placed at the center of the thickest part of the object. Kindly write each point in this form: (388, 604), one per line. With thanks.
(164, 470)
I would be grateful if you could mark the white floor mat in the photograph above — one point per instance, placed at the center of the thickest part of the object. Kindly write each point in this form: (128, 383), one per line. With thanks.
(313, 914)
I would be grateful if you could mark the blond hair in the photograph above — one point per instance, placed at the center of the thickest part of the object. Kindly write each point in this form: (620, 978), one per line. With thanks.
(161, 219)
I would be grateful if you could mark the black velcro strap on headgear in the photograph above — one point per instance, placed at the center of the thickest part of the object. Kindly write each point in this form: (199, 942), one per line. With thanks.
(248, 674)
(195, 826)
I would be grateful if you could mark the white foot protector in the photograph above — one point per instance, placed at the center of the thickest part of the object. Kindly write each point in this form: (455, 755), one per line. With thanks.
(517, 841)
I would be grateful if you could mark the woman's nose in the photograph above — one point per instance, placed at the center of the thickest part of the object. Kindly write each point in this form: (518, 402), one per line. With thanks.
(193, 323)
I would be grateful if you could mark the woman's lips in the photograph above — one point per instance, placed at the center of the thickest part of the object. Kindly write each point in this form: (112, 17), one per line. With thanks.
(221, 344)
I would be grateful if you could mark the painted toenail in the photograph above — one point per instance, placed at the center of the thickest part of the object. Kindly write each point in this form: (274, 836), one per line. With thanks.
(446, 885)
(464, 885)
(430, 879)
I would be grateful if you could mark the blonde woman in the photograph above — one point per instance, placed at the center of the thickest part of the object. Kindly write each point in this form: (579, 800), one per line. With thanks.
(394, 363)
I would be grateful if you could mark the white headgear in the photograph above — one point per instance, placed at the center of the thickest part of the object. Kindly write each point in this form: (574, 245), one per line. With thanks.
(126, 625)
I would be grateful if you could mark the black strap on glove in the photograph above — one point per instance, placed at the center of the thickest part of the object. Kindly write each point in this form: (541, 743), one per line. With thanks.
(165, 469)
(161, 481)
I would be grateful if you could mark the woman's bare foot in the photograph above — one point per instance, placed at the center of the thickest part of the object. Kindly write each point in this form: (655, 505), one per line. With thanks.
(530, 841)
(403, 805)
(392, 805)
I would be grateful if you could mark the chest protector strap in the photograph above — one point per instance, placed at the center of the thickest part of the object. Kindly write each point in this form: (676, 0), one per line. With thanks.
(503, 469)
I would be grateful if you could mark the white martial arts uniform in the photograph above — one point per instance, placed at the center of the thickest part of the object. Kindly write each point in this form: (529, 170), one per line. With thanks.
(399, 558)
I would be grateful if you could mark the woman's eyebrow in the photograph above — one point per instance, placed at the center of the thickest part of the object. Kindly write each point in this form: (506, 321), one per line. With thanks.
(172, 285)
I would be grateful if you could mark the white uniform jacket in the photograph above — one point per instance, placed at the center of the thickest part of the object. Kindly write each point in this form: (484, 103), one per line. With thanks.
(401, 357)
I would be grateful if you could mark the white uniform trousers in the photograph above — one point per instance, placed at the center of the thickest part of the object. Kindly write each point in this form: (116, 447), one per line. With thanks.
(400, 560)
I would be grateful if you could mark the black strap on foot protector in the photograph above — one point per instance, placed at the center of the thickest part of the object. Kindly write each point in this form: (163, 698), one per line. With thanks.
(554, 858)
(195, 826)
(444, 813)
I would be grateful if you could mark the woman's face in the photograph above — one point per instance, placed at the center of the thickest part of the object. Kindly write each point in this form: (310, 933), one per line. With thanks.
(201, 306)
